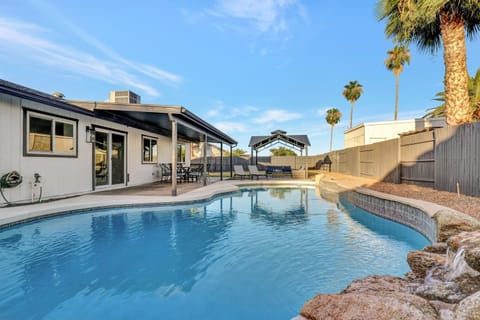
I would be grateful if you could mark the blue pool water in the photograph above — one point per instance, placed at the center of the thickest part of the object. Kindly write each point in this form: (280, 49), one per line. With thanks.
(256, 254)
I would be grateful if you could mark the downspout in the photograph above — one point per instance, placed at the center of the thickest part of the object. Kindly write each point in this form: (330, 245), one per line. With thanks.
(174, 154)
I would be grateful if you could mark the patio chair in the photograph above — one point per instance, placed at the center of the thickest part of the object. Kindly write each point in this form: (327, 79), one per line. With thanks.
(196, 171)
(255, 173)
(238, 171)
(166, 173)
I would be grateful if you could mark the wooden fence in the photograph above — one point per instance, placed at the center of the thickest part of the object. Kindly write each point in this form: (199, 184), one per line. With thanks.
(418, 158)
(444, 158)
(457, 155)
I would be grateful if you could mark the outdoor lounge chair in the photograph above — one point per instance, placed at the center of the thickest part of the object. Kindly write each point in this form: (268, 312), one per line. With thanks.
(255, 173)
(238, 171)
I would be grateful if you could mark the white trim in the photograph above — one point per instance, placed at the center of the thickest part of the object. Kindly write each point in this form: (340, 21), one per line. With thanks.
(54, 120)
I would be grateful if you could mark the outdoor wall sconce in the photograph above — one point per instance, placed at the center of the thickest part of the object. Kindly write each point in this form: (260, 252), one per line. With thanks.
(90, 134)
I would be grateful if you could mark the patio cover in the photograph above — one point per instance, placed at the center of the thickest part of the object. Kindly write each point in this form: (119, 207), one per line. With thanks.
(259, 143)
(299, 142)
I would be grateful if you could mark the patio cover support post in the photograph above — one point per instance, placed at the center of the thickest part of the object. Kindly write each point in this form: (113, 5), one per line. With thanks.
(306, 162)
(231, 161)
(205, 160)
(256, 157)
(251, 155)
(221, 160)
(174, 157)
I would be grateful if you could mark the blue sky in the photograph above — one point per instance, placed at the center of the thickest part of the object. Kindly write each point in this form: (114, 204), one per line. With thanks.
(247, 66)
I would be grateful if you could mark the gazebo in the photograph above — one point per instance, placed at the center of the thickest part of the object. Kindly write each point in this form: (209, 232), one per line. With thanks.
(296, 142)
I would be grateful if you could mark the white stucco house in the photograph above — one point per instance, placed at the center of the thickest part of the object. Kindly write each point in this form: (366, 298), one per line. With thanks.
(371, 132)
(77, 147)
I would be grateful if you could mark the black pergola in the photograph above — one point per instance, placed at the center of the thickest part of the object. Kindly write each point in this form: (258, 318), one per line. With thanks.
(297, 142)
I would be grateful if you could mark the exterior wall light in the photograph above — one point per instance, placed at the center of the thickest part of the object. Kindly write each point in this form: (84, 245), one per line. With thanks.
(90, 134)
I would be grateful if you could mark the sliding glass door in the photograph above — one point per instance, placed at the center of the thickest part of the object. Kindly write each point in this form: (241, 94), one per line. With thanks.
(109, 158)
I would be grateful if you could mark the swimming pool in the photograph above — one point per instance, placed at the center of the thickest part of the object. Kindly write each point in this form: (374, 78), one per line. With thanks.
(256, 254)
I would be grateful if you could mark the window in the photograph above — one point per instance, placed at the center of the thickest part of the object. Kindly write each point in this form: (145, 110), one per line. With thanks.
(181, 152)
(50, 135)
(150, 150)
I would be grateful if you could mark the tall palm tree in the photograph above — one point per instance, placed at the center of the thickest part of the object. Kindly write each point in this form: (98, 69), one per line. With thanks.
(352, 92)
(430, 24)
(397, 57)
(474, 97)
(333, 117)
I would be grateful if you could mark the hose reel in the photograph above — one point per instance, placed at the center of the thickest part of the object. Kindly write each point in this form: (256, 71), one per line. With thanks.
(9, 180)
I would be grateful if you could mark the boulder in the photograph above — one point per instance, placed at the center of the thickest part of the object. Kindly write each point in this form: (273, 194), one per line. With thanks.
(421, 262)
(468, 308)
(438, 247)
(373, 297)
(468, 283)
(376, 284)
(387, 305)
(446, 310)
(449, 292)
(464, 239)
(470, 242)
(450, 222)
(472, 256)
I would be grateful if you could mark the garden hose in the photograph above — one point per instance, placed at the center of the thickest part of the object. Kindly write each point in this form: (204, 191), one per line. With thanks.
(9, 180)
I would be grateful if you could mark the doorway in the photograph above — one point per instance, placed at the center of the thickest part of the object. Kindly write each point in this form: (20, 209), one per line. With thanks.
(110, 164)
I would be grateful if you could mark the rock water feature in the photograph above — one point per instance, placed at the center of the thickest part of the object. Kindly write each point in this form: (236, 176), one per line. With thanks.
(444, 283)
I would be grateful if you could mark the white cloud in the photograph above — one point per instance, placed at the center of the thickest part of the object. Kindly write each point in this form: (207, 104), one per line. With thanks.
(277, 115)
(218, 110)
(33, 42)
(269, 19)
(231, 127)
(265, 15)
(242, 111)
(323, 111)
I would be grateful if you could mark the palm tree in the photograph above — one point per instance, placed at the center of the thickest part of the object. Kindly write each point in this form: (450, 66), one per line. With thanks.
(352, 92)
(395, 61)
(430, 24)
(474, 97)
(333, 117)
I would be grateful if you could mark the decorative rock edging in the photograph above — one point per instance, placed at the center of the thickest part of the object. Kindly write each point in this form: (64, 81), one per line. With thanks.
(433, 290)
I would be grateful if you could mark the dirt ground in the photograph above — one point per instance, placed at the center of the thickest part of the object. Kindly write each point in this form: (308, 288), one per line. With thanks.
(466, 204)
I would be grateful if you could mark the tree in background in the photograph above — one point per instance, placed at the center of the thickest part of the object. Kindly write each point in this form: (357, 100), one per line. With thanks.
(394, 62)
(333, 117)
(473, 94)
(352, 92)
(282, 151)
(431, 24)
(238, 152)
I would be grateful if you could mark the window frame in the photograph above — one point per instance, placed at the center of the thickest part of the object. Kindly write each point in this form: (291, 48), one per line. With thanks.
(150, 138)
(28, 113)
